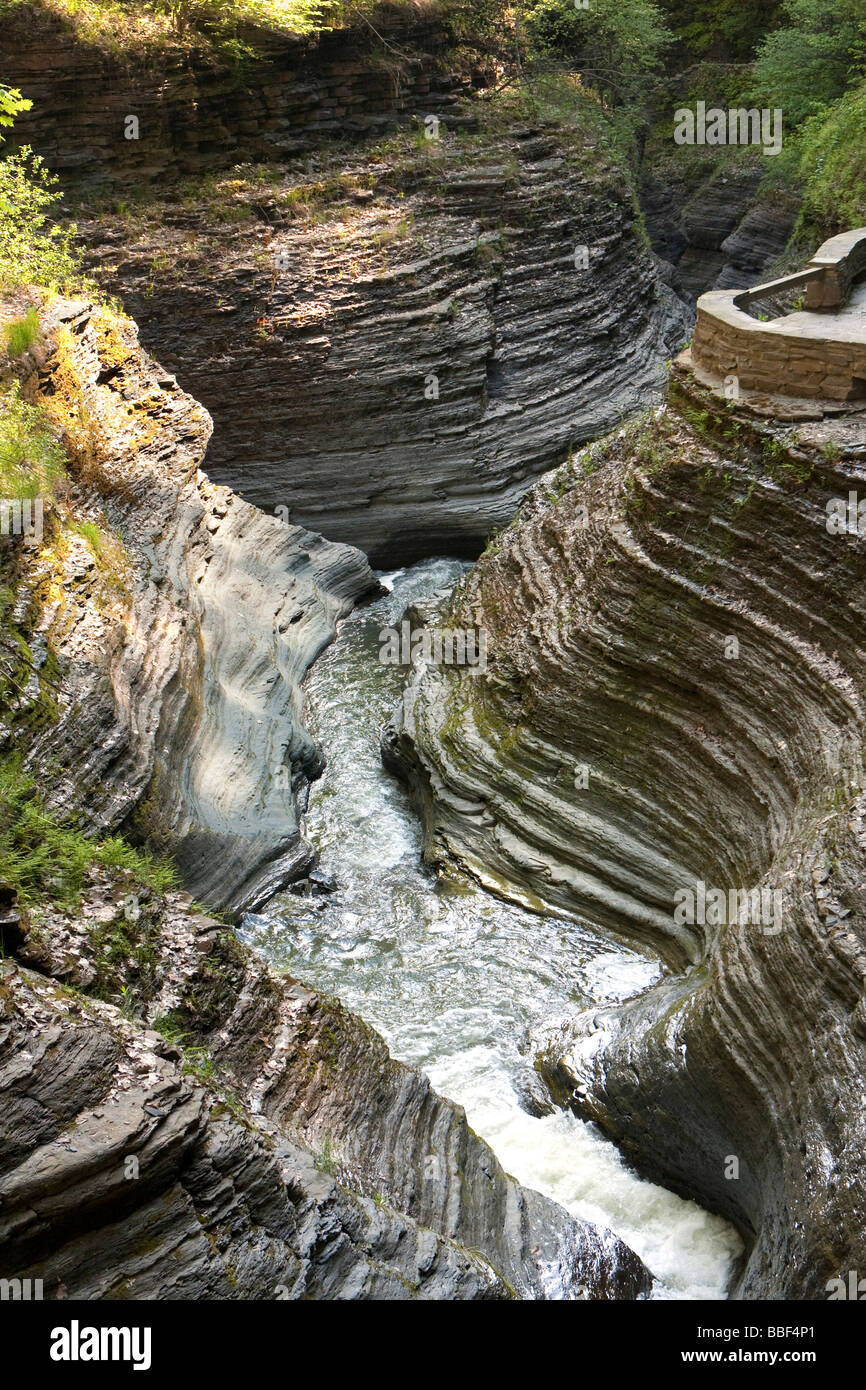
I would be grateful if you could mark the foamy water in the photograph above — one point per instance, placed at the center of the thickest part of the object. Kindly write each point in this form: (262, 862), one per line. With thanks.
(452, 977)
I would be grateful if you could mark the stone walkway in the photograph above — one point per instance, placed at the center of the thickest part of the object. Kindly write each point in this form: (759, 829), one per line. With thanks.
(844, 325)
(814, 354)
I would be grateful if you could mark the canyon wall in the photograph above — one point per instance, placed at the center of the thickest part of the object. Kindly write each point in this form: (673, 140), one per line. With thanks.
(674, 696)
(199, 107)
(715, 225)
(178, 1121)
(178, 716)
(255, 1142)
(393, 337)
(393, 346)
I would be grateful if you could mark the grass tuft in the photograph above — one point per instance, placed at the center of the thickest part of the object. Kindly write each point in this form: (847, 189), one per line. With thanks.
(46, 859)
(21, 334)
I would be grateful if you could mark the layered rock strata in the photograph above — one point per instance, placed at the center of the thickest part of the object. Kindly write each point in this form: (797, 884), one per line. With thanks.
(181, 646)
(258, 1142)
(394, 344)
(674, 698)
(177, 1120)
(710, 219)
(197, 107)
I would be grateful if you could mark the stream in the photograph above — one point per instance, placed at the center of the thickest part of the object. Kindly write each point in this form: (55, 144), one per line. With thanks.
(450, 975)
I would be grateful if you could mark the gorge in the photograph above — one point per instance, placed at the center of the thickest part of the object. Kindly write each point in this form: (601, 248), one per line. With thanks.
(360, 338)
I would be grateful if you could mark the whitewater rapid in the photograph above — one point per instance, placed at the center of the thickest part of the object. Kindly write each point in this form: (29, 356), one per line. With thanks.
(453, 977)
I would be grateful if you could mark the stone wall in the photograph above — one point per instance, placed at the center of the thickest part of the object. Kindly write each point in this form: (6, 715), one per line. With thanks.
(801, 354)
(765, 358)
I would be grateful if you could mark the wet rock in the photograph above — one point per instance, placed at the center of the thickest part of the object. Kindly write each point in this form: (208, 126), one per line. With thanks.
(672, 699)
(278, 1152)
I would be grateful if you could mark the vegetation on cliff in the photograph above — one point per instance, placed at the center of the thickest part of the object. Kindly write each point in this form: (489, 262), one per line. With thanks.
(41, 856)
(155, 27)
(45, 860)
(35, 248)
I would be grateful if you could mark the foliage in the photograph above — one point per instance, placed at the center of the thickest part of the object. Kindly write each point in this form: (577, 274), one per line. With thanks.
(154, 26)
(31, 460)
(33, 250)
(11, 104)
(617, 45)
(807, 64)
(728, 30)
(832, 166)
(45, 859)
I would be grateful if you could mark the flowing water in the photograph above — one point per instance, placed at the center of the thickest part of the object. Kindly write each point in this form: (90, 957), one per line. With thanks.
(452, 977)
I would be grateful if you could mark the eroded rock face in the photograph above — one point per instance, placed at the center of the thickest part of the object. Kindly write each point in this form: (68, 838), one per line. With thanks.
(395, 368)
(756, 1056)
(124, 1178)
(198, 108)
(674, 695)
(710, 222)
(394, 343)
(281, 1154)
(178, 713)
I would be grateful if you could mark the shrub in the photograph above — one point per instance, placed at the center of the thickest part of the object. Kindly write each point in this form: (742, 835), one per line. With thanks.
(33, 250)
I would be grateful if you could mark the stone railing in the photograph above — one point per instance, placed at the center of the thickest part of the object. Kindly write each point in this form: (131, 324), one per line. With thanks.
(820, 352)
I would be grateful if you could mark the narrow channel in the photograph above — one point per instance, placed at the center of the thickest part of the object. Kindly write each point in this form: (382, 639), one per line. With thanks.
(451, 976)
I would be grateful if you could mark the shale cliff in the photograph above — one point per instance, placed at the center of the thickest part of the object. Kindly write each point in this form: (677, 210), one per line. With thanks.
(178, 1121)
(184, 642)
(393, 337)
(392, 343)
(674, 698)
(257, 1141)
(716, 226)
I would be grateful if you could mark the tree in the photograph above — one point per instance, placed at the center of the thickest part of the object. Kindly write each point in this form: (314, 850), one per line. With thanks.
(725, 31)
(616, 45)
(33, 249)
(11, 104)
(806, 65)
